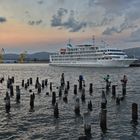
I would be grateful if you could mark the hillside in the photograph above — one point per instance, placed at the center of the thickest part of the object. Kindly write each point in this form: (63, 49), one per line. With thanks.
(133, 52)
(34, 56)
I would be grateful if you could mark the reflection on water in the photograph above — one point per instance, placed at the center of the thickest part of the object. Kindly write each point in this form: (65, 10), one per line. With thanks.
(22, 124)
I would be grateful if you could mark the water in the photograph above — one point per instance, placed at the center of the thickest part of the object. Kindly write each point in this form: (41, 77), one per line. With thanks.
(40, 124)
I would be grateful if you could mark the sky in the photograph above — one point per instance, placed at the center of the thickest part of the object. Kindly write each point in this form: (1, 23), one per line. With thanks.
(47, 25)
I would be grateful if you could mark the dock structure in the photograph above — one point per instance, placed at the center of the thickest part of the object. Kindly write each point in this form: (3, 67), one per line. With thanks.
(73, 99)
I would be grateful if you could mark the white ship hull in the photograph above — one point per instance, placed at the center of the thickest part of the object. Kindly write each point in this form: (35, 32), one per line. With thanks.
(98, 63)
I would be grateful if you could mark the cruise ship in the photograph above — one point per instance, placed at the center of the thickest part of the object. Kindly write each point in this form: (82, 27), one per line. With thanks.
(90, 56)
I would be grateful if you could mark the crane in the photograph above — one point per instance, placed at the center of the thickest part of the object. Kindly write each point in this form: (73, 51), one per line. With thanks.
(1, 55)
(22, 57)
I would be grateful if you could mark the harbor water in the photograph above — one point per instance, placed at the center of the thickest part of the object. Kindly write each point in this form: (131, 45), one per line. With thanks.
(20, 124)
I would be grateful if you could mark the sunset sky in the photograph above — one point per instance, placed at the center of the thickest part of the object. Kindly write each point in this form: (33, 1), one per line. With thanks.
(47, 25)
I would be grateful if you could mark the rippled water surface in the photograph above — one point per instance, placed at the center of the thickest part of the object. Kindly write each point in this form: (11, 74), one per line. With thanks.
(20, 124)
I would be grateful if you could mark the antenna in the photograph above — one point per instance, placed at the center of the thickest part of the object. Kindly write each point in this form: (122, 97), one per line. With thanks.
(134, 54)
(93, 39)
(69, 41)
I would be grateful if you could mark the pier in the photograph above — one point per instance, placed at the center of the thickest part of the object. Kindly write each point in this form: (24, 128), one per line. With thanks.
(87, 107)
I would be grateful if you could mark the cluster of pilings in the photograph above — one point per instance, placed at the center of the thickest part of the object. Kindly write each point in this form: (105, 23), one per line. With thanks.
(63, 90)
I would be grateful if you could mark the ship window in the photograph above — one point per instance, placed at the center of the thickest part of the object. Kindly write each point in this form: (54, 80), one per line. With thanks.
(116, 53)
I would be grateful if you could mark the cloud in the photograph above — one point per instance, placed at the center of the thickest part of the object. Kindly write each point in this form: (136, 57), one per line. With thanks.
(105, 21)
(38, 22)
(61, 1)
(2, 19)
(122, 27)
(57, 19)
(113, 6)
(135, 36)
(40, 2)
(69, 23)
(110, 31)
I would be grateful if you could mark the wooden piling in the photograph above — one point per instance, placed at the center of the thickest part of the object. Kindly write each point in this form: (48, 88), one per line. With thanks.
(22, 83)
(50, 86)
(103, 120)
(56, 111)
(53, 98)
(123, 90)
(39, 88)
(32, 97)
(87, 129)
(17, 94)
(13, 79)
(31, 81)
(26, 86)
(43, 84)
(68, 85)
(46, 82)
(113, 90)
(75, 89)
(7, 103)
(83, 95)
(77, 107)
(83, 138)
(90, 88)
(65, 99)
(11, 90)
(134, 112)
(90, 105)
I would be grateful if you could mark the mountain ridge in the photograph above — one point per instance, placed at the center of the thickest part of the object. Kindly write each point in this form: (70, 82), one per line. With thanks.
(131, 52)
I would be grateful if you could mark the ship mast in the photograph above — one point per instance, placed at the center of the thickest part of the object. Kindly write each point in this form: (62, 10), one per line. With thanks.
(93, 40)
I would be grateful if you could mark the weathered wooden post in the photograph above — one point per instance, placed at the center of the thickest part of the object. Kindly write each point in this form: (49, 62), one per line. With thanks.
(37, 82)
(50, 86)
(80, 82)
(90, 88)
(13, 79)
(46, 82)
(75, 89)
(104, 100)
(83, 95)
(103, 120)
(32, 97)
(11, 90)
(134, 113)
(8, 83)
(56, 111)
(87, 125)
(83, 138)
(7, 103)
(124, 82)
(65, 99)
(90, 105)
(31, 81)
(22, 83)
(62, 81)
(53, 98)
(26, 86)
(39, 88)
(17, 94)
(28, 82)
(68, 85)
(77, 107)
(114, 91)
(43, 84)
